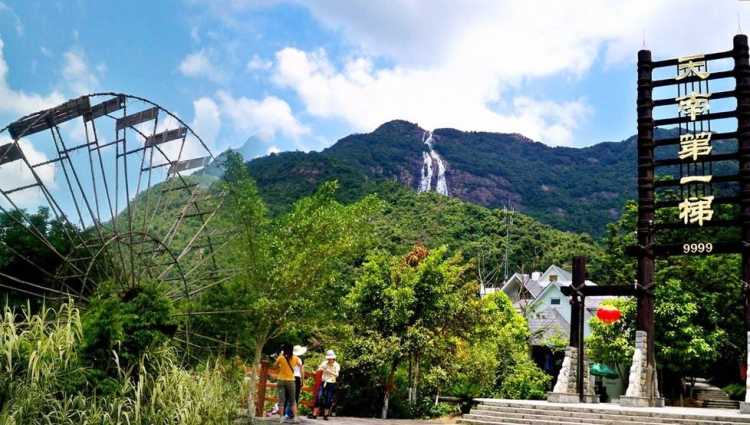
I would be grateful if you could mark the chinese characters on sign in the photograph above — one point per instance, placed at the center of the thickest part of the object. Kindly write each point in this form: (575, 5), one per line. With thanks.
(694, 146)
(691, 66)
(696, 209)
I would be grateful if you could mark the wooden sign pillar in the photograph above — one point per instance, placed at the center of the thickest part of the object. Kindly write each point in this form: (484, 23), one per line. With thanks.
(573, 382)
(646, 206)
(642, 387)
(576, 322)
(742, 75)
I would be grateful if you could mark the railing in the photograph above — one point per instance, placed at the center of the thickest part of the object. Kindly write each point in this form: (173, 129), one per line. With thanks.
(262, 387)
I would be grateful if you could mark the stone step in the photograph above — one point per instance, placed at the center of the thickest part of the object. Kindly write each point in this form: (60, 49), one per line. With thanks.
(721, 404)
(710, 395)
(589, 419)
(597, 418)
(512, 422)
(652, 415)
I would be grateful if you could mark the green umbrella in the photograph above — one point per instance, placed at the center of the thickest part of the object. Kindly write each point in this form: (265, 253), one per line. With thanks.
(603, 370)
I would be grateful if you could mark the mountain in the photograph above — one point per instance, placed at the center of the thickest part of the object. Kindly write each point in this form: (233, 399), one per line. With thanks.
(577, 189)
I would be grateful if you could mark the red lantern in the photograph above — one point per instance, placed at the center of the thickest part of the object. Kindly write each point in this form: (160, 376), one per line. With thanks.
(608, 314)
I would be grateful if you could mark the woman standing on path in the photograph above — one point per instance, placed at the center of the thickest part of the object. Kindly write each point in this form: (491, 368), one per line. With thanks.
(331, 369)
(285, 365)
(299, 374)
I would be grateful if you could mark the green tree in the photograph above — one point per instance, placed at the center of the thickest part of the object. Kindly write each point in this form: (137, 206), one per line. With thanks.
(422, 306)
(612, 344)
(283, 264)
(699, 327)
(494, 359)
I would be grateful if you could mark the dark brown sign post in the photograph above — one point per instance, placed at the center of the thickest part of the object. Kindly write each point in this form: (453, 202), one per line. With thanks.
(713, 179)
(693, 184)
(646, 209)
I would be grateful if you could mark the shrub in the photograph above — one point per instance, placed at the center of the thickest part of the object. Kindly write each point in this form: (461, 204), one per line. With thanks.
(735, 391)
(43, 374)
(130, 323)
(526, 381)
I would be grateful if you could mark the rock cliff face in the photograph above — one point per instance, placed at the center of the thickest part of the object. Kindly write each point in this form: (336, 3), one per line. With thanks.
(580, 189)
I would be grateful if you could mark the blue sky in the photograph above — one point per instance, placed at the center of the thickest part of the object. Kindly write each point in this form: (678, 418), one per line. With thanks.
(300, 75)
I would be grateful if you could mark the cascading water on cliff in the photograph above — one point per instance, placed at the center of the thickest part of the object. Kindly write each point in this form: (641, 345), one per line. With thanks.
(428, 158)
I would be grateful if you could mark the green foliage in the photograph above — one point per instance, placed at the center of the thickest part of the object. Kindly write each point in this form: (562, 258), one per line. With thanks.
(612, 344)
(132, 323)
(698, 304)
(22, 253)
(494, 359)
(42, 373)
(428, 317)
(414, 308)
(576, 189)
(684, 345)
(436, 220)
(526, 381)
(735, 391)
(285, 263)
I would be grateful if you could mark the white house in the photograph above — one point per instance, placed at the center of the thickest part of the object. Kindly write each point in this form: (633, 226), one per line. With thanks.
(539, 298)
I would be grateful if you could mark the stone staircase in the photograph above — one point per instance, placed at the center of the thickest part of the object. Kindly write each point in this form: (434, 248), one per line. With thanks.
(516, 412)
(713, 397)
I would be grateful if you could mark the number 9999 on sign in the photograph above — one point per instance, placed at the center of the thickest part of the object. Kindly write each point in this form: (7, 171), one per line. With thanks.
(697, 248)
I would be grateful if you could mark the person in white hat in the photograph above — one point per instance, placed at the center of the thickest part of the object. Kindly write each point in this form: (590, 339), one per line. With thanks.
(331, 369)
(299, 373)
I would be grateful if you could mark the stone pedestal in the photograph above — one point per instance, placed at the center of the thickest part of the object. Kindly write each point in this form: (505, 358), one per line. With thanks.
(565, 390)
(745, 406)
(640, 393)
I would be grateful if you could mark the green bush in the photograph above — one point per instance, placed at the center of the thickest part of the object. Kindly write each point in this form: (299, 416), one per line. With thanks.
(526, 381)
(735, 391)
(42, 376)
(130, 323)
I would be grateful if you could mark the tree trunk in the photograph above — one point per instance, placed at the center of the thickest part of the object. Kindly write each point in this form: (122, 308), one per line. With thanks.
(411, 381)
(415, 380)
(384, 412)
(388, 389)
(254, 378)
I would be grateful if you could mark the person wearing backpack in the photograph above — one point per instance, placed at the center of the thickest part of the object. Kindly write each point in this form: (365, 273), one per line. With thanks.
(285, 364)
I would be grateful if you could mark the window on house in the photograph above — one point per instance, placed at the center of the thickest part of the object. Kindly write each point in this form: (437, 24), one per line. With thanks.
(553, 278)
(555, 301)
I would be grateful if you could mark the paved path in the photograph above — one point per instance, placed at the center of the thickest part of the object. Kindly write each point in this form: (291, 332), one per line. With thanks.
(362, 421)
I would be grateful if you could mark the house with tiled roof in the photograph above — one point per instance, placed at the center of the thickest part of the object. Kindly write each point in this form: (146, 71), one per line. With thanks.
(538, 297)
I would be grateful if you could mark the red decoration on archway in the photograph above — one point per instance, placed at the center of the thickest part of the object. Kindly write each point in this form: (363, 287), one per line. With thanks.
(608, 314)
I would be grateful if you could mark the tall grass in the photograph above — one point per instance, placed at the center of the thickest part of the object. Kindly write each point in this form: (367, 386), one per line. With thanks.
(43, 380)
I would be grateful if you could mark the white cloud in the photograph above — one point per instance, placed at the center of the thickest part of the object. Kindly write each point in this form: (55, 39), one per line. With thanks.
(78, 76)
(15, 174)
(530, 36)
(206, 120)
(470, 66)
(198, 64)
(264, 118)
(272, 149)
(256, 63)
(366, 97)
(17, 102)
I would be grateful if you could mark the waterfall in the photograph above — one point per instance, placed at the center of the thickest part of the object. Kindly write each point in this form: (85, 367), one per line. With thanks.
(428, 159)
(426, 180)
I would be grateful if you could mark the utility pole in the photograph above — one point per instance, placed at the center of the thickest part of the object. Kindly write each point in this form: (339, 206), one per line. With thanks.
(508, 223)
